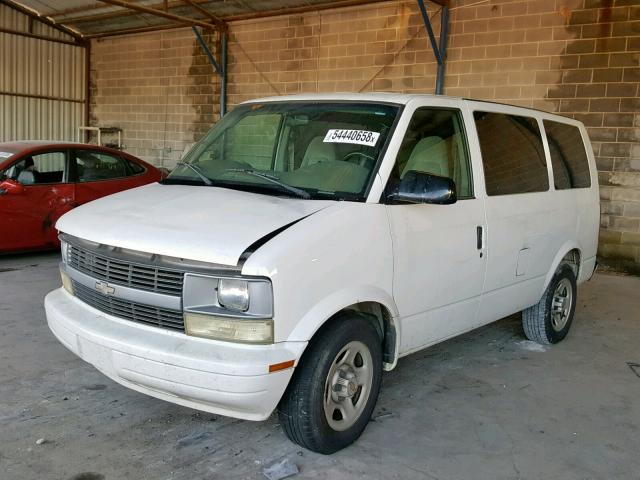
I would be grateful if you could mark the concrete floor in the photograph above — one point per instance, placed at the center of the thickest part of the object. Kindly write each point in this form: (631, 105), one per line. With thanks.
(487, 405)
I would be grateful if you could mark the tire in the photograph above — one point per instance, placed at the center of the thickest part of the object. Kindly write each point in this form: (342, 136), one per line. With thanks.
(323, 383)
(549, 320)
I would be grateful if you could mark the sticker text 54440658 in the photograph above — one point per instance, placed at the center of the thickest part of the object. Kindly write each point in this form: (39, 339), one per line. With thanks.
(359, 137)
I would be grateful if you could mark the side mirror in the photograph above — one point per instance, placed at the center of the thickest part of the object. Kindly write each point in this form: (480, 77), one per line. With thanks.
(420, 187)
(12, 187)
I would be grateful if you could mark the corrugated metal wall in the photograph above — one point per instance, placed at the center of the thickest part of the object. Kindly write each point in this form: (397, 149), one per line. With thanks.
(42, 83)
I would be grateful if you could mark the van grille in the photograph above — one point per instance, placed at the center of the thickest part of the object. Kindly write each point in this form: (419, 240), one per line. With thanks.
(141, 277)
(136, 312)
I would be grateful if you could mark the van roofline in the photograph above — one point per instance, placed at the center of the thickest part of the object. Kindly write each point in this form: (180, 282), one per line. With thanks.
(389, 97)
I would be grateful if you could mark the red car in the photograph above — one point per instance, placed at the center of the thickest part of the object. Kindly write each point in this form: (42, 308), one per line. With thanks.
(39, 181)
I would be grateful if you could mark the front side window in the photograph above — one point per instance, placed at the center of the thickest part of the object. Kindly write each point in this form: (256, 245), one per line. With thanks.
(93, 166)
(308, 150)
(46, 167)
(435, 143)
(512, 153)
(568, 156)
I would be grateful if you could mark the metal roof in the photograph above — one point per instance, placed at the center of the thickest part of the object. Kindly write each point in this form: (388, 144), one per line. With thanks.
(97, 18)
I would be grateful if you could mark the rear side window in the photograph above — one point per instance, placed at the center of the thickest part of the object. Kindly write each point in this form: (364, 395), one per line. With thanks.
(94, 166)
(134, 167)
(512, 154)
(568, 156)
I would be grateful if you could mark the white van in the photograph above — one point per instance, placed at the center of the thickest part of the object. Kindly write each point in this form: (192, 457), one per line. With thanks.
(308, 242)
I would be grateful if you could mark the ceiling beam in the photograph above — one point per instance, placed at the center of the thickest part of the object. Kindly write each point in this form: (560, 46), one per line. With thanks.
(68, 11)
(302, 9)
(159, 13)
(43, 19)
(38, 37)
(112, 14)
(178, 20)
(207, 13)
(241, 16)
(131, 31)
(245, 5)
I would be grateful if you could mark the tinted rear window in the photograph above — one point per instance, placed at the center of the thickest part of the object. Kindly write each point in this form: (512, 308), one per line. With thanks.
(512, 154)
(568, 156)
(135, 168)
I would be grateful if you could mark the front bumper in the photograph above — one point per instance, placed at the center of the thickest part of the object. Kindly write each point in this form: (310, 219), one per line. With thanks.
(217, 377)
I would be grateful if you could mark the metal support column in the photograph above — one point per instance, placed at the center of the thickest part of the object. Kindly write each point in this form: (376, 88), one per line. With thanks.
(219, 67)
(223, 79)
(439, 48)
(444, 30)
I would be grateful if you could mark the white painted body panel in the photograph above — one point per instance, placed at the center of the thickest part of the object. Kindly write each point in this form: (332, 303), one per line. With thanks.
(434, 248)
(333, 259)
(207, 224)
(438, 277)
(420, 262)
(529, 234)
(217, 377)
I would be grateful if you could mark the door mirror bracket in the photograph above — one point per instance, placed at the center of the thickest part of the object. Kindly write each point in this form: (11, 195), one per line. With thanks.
(421, 187)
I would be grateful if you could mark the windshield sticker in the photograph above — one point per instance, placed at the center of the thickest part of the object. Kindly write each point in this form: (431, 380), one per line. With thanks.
(359, 137)
(5, 154)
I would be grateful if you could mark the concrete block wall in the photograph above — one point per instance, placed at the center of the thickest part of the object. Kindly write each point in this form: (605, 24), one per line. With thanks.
(580, 58)
(159, 88)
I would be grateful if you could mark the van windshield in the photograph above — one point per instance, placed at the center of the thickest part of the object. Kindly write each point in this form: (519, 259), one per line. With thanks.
(306, 150)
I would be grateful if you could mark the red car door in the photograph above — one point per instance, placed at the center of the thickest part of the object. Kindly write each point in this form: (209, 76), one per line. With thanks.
(100, 173)
(28, 215)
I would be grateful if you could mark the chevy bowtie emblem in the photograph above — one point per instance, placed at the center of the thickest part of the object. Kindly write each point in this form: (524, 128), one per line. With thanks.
(105, 288)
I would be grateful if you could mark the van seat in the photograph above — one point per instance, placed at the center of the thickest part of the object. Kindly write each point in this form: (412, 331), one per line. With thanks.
(318, 151)
(430, 155)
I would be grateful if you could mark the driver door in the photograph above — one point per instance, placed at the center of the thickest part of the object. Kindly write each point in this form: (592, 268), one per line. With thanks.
(439, 251)
(28, 218)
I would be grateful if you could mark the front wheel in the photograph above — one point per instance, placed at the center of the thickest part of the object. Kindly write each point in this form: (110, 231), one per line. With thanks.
(335, 387)
(549, 320)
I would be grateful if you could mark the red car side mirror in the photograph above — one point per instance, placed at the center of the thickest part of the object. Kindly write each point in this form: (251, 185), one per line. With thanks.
(12, 187)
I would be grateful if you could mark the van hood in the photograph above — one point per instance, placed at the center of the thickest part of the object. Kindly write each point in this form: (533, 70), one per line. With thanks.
(208, 224)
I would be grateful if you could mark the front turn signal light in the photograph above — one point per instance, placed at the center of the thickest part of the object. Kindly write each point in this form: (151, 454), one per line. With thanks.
(229, 329)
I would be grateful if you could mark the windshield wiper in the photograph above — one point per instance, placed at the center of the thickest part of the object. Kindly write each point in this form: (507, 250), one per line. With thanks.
(207, 181)
(273, 179)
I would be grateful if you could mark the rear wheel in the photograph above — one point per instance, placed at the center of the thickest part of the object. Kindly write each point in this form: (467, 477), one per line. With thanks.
(550, 319)
(335, 387)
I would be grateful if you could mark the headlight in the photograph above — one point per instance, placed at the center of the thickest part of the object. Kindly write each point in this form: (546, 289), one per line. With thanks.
(228, 308)
(233, 294)
(228, 328)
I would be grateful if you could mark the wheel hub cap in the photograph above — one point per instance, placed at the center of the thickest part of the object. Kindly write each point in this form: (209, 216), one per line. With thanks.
(345, 384)
(561, 304)
(348, 385)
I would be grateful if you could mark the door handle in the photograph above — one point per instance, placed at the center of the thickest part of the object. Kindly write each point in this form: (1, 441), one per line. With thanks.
(479, 238)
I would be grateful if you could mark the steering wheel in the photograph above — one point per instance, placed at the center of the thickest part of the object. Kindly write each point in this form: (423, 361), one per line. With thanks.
(365, 158)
